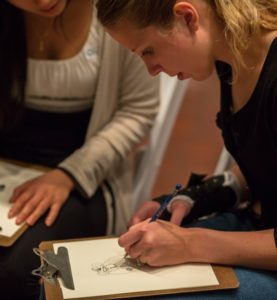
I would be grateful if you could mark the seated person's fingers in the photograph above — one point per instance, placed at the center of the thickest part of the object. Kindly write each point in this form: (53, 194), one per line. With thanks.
(28, 208)
(19, 203)
(20, 189)
(41, 208)
(53, 213)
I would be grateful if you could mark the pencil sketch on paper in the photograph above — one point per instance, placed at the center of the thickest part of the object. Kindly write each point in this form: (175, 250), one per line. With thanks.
(101, 270)
(116, 263)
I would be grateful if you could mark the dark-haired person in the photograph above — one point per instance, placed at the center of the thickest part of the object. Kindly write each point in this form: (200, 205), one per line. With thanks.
(76, 101)
(187, 39)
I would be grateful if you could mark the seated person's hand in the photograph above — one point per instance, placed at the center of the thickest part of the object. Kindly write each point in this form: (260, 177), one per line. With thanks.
(33, 198)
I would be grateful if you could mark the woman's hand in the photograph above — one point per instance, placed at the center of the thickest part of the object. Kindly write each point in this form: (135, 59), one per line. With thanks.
(179, 210)
(34, 197)
(145, 211)
(157, 243)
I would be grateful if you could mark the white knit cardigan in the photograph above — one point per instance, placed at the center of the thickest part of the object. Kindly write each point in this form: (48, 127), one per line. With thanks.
(125, 105)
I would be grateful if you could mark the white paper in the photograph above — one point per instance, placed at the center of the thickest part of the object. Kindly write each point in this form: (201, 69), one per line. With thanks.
(11, 176)
(88, 283)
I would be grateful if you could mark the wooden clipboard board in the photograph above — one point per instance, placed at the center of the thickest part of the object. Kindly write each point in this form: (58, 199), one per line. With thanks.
(225, 275)
(7, 241)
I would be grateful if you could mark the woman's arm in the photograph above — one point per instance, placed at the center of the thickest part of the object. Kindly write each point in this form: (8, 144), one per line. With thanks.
(163, 243)
(124, 110)
(254, 249)
(209, 199)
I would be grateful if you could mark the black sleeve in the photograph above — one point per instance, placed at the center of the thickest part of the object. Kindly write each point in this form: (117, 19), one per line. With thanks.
(273, 109)
(210, 196)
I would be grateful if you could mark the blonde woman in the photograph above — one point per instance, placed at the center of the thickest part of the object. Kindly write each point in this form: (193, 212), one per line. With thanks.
(72, 99)
(188, 39)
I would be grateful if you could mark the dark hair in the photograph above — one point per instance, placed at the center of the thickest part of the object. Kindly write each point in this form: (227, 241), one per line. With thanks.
(13, 64)
(111, 12)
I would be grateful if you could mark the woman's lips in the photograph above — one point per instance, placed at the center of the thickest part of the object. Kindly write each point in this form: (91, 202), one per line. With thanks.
(50, 8)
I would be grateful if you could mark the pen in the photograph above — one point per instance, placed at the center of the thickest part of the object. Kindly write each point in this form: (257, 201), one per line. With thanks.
(161, 209)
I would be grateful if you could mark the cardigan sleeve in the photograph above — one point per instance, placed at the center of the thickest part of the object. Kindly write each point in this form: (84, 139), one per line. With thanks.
(124, 112)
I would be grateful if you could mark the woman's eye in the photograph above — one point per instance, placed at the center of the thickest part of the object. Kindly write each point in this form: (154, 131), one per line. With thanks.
(147, 51)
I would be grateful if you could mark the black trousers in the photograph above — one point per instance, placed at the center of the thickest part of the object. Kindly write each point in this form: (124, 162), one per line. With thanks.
(78, 218)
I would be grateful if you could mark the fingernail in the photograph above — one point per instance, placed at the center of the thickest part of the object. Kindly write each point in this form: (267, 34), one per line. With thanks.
(47, 223)
(30, 223)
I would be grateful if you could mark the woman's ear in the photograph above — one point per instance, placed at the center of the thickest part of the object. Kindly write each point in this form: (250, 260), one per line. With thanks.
(188, 13)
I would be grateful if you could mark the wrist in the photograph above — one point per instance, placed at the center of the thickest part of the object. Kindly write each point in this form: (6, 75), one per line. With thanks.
(67, 180)
(207, 245)
(200, 245)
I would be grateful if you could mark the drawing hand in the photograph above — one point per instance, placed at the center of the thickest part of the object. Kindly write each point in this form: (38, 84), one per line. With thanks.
(157, 243)
(34, 197)
(145, 211)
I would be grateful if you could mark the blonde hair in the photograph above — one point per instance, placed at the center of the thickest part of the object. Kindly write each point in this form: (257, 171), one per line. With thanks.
(241, 19)
(244, 19)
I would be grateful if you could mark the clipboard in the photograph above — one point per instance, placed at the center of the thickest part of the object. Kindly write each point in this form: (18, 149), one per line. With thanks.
(225, 275)
(7, 241)
(12, 173)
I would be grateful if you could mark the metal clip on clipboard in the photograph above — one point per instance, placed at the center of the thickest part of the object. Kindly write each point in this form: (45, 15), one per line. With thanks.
(55, 266)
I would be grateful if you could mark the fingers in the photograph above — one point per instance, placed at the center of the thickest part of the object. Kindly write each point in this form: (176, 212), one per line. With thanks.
(52, 215)
(29, 207)
(139, 239)
(33, 198)
(41, 208)
(144, 212)
(17, 191)
(179, 210)
(36, 207)
(129, 238)
(19, 203)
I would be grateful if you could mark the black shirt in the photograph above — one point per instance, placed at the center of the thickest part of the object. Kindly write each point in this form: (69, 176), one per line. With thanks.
(45, 138)
(250, 134)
